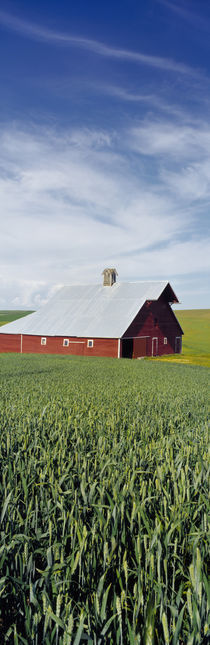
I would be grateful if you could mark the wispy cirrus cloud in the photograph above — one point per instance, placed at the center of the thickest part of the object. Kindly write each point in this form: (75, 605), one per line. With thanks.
(37, 32)
(153, 100)
(187, 14)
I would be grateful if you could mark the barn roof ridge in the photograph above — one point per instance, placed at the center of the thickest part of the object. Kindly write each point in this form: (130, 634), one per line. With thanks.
(99, 284)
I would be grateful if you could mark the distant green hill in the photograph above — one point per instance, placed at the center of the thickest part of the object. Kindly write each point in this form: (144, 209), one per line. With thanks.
(196, 340)
(8, 315)
(196, 327)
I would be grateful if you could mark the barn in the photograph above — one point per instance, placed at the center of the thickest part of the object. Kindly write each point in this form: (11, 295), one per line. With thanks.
(115, 319)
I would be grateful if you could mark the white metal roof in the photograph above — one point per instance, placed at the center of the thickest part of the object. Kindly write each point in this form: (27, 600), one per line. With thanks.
(88, 311)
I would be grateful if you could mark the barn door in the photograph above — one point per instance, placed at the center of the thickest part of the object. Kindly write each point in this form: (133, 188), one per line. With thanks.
(154, 346)
(178, 345)
(76, 347)
(140, 347)
(127, 348)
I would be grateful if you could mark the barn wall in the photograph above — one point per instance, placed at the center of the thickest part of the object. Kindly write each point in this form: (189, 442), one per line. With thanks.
(155, 320)
(77, 346)
(10, 343)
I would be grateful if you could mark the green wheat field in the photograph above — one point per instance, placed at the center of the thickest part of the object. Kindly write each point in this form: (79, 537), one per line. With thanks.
(104, 501)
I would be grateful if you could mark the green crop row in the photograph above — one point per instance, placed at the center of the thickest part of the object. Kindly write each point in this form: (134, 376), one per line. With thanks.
(104, 502)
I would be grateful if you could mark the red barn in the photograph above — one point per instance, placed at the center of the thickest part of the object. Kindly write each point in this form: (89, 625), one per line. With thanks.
(129, 320)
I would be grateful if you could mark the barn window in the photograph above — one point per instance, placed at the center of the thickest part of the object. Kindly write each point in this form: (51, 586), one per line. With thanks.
(90, 343)
(65, 342)
(43, 340)
(155, 322)
(165, 341)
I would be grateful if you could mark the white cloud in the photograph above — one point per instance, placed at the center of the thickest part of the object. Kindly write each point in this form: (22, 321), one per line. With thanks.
(74, 202)
(24, 294)
(192, 182)
(176, 140)
(180, 154)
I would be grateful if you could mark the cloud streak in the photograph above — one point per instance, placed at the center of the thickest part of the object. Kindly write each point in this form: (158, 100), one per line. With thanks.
(36, 32)
(192, 18)
(152, 100)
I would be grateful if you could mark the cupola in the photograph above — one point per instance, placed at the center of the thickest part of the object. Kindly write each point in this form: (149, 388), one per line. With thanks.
(109, 277)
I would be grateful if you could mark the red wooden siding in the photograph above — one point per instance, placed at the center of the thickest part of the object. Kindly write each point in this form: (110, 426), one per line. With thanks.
(54, 345)
(10, 343)
(154, 320)
(139, 347)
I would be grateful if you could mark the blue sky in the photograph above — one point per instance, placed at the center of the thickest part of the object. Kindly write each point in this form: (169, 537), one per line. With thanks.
(104, 145)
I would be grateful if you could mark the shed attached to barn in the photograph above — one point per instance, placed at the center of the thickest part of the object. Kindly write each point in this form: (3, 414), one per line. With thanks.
(129, 320)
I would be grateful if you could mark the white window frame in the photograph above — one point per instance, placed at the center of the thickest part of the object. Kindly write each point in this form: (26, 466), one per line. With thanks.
(90, 343)
(165, 342)
(43, 340)
(65, 342)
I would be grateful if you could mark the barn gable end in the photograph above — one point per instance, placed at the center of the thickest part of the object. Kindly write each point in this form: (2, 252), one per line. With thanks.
(154, 330)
